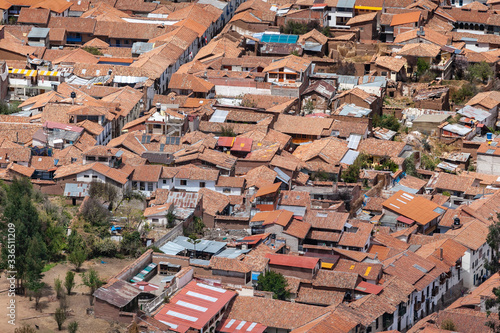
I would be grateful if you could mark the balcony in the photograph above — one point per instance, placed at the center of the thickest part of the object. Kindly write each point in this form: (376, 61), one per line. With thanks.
(74, 39)
(418, 306)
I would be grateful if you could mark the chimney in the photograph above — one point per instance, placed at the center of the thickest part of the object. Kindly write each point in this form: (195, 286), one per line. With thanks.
(441, 253)
(456, 223)
(73, 96)
(158, 107)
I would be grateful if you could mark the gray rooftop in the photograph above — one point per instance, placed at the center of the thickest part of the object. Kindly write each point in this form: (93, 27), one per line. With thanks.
(38, 32)
(76, 190)
(457, 129)
(353, 110)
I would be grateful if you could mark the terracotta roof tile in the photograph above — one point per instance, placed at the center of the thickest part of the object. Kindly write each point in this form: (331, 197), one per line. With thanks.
(400, 19)
(279, 314)
(33, 16)
(319, 296)
(229, 265)
(413, 207)
(297, 229)
(366, 271)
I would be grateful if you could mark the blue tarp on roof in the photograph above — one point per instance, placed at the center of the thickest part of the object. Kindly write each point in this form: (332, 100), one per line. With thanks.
(283, 39)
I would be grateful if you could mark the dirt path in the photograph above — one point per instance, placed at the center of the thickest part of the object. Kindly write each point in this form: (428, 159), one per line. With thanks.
(77, 303)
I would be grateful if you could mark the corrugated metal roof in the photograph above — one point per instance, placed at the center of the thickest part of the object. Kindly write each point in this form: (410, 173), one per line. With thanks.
(281, 175)
(76, 190)
(346, 3)
(38, 32)
(354, 140)
(231, 253)
(447, 166)
(219, 116)
(349, 157)
(458, 129)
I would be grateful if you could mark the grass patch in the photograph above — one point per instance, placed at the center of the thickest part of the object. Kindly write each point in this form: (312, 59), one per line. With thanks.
(48, 267)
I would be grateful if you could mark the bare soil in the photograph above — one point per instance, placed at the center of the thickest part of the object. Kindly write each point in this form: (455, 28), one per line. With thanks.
(78, 302)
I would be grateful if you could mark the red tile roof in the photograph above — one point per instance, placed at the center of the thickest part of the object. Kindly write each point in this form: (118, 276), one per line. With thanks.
(369, 288)
(292, 261)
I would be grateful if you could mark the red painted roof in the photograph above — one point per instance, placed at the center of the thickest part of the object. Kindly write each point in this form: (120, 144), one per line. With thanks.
(292, 261)
(237, 326)
(251, 240)
(369, 288)
(52, 124)
(405, 220)
(225, 141)
(242, 144)
(194, 306)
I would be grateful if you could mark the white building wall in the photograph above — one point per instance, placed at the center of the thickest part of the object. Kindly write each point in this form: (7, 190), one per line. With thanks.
(193, 185)
(90, 175)
(232, 190)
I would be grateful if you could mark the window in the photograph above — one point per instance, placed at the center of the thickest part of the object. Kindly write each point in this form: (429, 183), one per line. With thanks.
(164, 181)
(226, 190)
(155, 220)
(202, 184)
(383, 73)
(183, 182)
(142, 186)
(134, 185)
(94, 176)
(150, 187)
(86, 176)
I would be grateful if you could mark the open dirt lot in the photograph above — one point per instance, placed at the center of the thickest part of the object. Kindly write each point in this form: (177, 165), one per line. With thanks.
(78, 302)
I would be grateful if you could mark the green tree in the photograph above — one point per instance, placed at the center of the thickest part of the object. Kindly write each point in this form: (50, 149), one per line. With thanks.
(105, 191)
(409, 166)
(35, 258)
(309, 106)
(58, 287)
(275, 283)
(351, 174)
(92, 50)
(9, 108)
(60, 317)
(227, 131)
(480, 71)
(294, 28)
(171, 218)
(73, 327)
(493, 240)
(77, 256)
(35, 288)
(422, 66)
(94, 212)
(21, 217)
(448, 325)
(465, 92)
(92, 280)
(131, 242)
(428, 162)
(193, 239)
(69, 281)
(55, 238)
(386, 121)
